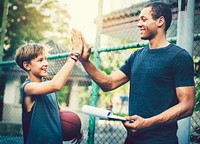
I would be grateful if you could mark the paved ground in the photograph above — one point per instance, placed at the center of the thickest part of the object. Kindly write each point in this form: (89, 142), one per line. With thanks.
(11, 140)
(106, 133)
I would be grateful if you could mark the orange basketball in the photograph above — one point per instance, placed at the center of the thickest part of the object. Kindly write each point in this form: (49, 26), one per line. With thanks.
(71, 124)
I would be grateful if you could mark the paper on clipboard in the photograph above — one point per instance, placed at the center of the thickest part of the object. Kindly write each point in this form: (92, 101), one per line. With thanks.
(101, 113)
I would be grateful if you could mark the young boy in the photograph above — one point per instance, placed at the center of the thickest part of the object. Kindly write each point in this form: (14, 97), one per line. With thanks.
(40, 111)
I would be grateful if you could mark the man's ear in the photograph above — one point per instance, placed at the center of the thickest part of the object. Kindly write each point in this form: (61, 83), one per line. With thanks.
(26, 66)
(161, 21)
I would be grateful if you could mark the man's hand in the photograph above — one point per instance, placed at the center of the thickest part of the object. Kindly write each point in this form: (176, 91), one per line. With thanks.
(86, 50)
(135, 124)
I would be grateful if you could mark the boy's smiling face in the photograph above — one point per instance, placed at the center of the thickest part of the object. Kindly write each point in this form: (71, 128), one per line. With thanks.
(38, 67)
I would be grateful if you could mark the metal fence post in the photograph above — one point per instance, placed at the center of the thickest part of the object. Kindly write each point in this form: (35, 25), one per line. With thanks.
(3, 31)
(3, 28)
(95, 88)
(185, 39)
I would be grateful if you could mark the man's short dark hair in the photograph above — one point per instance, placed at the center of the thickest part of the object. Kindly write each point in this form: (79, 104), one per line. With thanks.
(161, 9)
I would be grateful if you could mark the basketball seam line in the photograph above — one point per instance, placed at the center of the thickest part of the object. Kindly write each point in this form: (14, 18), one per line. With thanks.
(71, 123)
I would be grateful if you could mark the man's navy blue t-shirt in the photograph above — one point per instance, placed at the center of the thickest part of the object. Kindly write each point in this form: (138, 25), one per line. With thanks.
(154, 75)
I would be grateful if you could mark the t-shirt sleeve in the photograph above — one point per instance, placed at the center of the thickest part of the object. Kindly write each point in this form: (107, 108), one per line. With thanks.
(22, 91)
(184, 70)
(126, 68)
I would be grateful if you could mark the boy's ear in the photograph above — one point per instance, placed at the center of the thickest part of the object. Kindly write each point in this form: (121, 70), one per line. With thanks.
(26, 66)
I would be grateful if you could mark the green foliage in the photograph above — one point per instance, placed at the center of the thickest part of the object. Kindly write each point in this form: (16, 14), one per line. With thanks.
(63, 94)
(197, 97)
(1, 98)
(24, 23)
(84, 97)
(197, 82)
(1, 12)
(34, 20)
(121, 114)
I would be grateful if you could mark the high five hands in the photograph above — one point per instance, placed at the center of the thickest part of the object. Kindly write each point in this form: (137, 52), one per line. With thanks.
(79, 46)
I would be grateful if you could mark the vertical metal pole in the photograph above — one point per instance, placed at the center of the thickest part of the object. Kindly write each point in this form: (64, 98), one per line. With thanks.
(3, 31)
(185, 39)
(3, 27)
(95, 88)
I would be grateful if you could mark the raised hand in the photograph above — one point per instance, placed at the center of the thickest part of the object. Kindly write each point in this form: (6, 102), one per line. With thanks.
(76, 41)
(86, 50)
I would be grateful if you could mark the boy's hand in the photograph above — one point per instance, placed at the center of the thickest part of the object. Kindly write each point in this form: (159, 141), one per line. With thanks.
(79, 138)
(76, 41)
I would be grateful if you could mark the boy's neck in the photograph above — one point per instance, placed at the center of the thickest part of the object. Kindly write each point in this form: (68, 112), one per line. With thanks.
(34, 78)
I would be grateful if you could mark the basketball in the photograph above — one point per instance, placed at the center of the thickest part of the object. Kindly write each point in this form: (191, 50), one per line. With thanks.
(71, 124)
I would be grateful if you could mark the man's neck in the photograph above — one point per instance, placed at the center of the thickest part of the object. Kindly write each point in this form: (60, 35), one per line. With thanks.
(158, 42)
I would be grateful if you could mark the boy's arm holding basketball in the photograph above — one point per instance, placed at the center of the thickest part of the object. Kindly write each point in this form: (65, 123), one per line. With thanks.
(79, 138)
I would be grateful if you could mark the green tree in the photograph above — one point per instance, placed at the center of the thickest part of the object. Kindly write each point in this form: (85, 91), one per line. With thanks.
(62, 95)
(24, 24)
(34, 20)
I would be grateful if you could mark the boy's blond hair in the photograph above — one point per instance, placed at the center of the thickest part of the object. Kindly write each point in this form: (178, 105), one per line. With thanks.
(29, 51)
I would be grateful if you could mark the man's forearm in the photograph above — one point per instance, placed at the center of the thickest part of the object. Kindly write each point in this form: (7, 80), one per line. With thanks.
(173, 114)
(100, 78)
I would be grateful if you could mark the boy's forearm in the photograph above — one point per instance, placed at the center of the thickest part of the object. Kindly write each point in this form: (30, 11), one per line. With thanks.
(63, 74)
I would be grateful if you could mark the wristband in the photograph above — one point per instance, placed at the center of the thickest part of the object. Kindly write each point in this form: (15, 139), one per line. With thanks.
(73, 59)
(76, 54)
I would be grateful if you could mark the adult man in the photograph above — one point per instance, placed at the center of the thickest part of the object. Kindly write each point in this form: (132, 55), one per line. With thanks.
(161, 81)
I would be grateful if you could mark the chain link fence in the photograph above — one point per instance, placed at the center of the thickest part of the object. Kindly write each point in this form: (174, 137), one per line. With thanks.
(119, 38)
